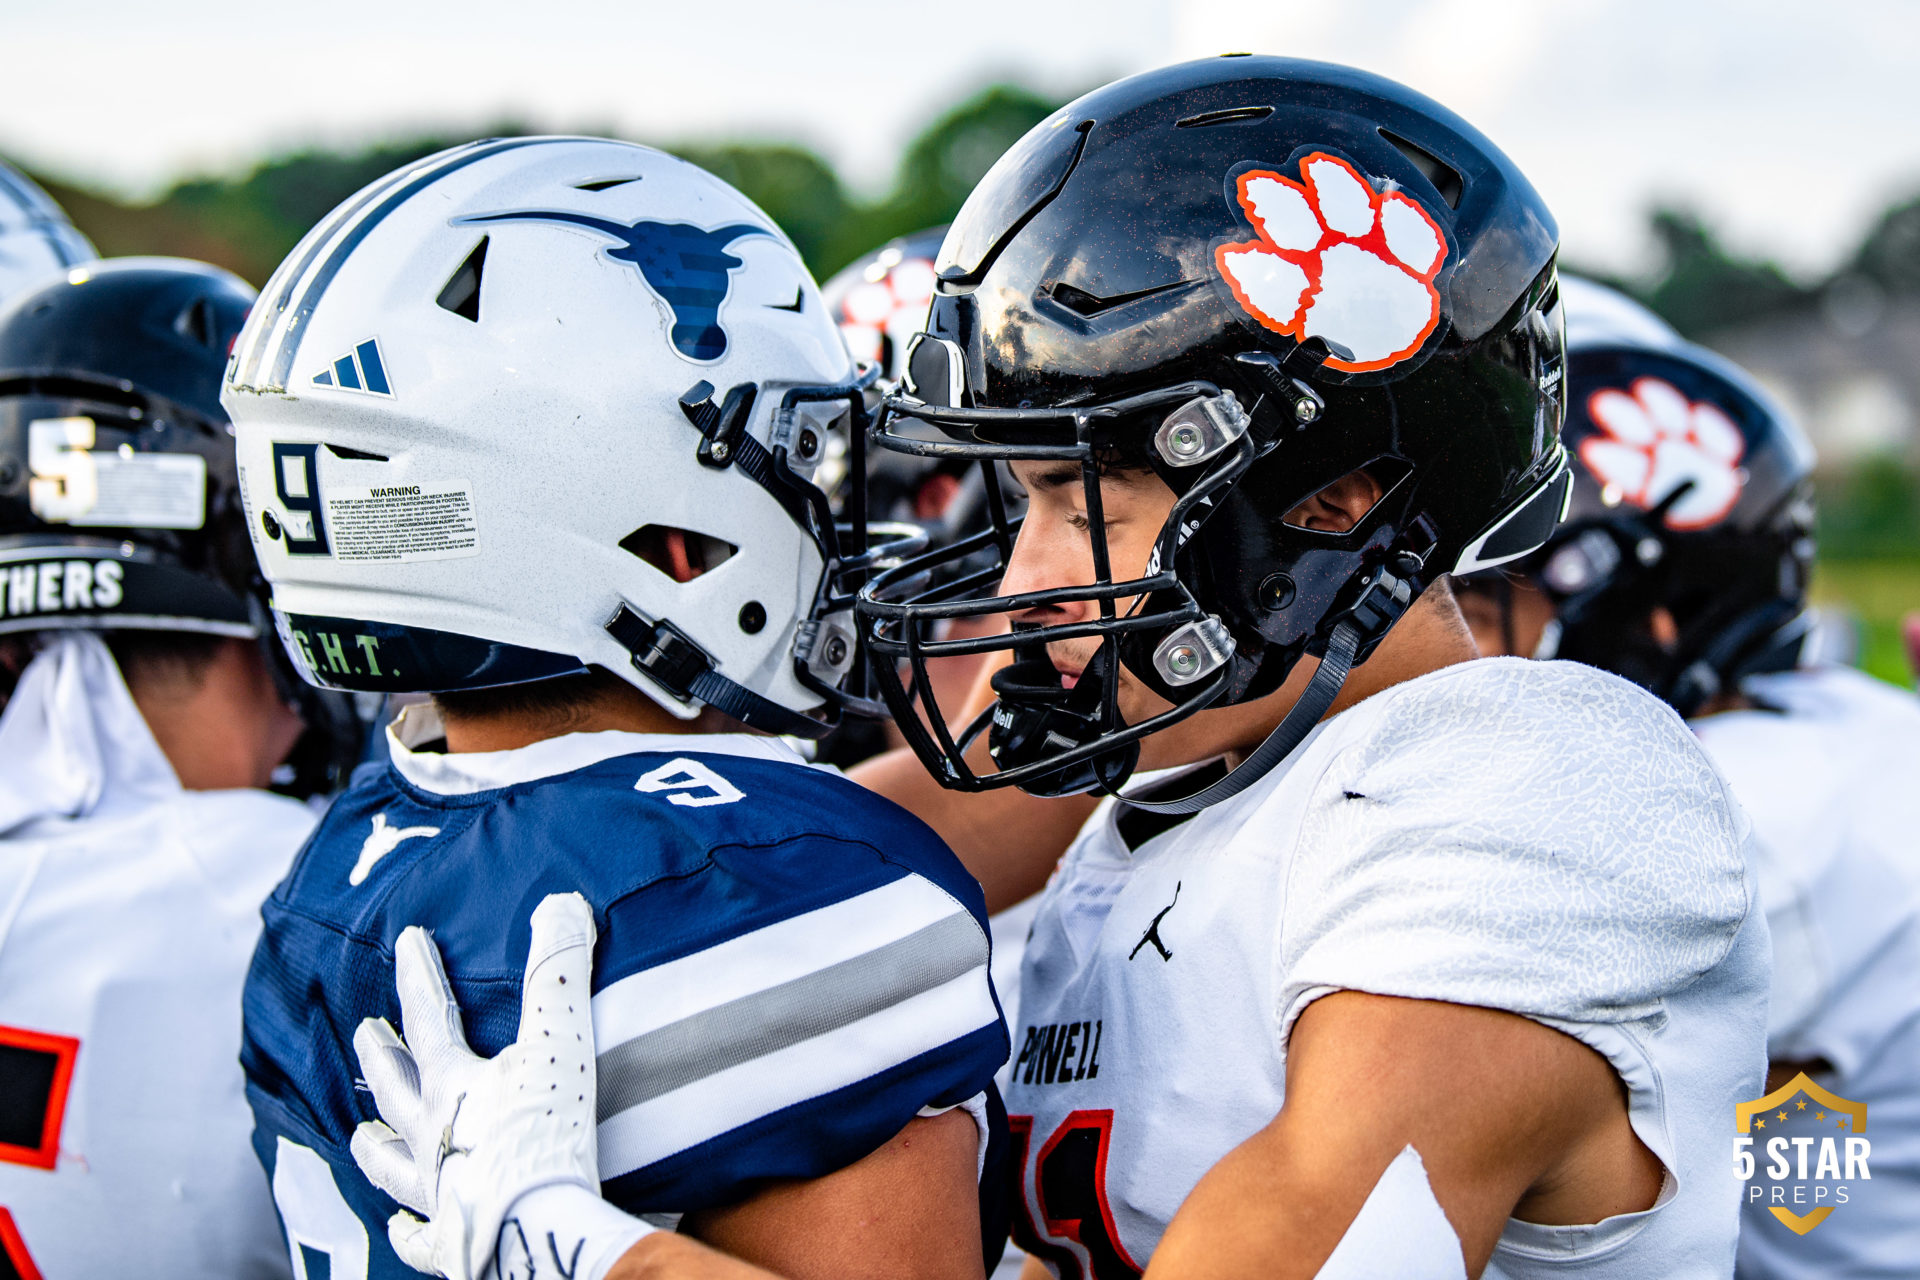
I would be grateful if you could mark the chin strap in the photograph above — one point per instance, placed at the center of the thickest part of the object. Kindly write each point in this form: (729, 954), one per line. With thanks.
(1288, 734)
(1768, 638)
(670, 658)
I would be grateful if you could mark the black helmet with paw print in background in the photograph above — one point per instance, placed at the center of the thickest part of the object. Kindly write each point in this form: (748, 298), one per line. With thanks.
(1693, 493)
(1255, 276)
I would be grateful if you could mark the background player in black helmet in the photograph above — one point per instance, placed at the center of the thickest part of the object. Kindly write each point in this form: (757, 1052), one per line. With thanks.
(1683, 566)
(1684, 558)
(1273, 347)
(133, 757)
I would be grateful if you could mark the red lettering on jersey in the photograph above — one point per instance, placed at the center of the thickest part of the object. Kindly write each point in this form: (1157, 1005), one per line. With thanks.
(39, 1069)
(13, 1251)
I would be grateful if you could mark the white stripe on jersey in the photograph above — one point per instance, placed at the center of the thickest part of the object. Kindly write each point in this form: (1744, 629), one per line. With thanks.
(739, 967)
(703, 1044)
(727, 1099)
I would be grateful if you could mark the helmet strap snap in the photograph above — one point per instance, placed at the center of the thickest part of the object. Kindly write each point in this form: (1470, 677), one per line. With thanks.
(1387, 592)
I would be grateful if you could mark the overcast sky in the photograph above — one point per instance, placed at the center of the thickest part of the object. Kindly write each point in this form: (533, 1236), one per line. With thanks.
(1788, 124)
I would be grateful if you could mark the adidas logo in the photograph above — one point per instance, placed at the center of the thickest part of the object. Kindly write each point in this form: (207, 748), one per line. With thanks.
(361, 369)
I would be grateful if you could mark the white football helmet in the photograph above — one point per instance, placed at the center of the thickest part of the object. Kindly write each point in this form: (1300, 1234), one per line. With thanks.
(482, 396)
(36, 239)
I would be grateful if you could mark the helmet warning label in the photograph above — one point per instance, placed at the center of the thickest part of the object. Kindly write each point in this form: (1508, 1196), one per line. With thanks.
(402, 522)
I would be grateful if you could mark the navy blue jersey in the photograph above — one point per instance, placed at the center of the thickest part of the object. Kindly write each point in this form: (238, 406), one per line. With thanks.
(789, 968)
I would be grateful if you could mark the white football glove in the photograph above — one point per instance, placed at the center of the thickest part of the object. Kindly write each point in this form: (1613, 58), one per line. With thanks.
(465, 1137)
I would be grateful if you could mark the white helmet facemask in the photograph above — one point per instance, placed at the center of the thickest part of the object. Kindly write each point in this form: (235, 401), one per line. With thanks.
(482, 395)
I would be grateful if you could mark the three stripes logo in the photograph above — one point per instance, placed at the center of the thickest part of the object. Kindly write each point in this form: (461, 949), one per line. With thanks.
(361, 369)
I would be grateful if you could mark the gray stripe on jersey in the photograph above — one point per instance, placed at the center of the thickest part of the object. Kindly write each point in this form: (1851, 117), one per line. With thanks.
(765, 1022)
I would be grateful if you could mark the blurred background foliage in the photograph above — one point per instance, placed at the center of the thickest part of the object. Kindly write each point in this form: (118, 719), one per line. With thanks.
(1818, 343)
(248, 222)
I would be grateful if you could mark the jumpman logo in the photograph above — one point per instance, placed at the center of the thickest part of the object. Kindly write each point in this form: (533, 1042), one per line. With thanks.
(1153, 930)
(381, 841)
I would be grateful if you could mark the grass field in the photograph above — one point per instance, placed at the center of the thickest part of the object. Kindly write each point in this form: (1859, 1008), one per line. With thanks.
(1876, 594)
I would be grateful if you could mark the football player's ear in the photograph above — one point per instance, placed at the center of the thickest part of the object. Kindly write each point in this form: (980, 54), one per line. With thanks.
(1339, 506)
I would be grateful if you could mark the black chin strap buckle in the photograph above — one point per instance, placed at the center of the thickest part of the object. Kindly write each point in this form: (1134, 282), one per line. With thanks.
(722, 425)
(1386, 593)
(672, 660)
(664, 652)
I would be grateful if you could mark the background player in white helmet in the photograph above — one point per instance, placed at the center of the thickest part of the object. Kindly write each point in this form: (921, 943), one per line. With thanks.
(1683, 566)
(531, 426)
(136, 842)
(36, 240)
(1464, 979)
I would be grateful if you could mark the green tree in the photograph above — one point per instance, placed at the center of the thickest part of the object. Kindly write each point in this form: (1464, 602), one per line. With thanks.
(249, 222)
(799, 190)
(1703, 287)
(940, 168)
(1890, 255)
(1871, 509)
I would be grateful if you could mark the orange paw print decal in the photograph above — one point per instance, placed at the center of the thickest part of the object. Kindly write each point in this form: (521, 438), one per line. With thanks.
(890, 303)
(1652, 440)
(1339, 261)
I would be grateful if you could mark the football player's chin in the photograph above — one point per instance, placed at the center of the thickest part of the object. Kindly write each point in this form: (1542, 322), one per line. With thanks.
(1174, 745)
(1205, 735)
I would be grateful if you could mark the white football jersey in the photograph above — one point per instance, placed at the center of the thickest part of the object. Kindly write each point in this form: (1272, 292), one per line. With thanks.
(1827, 773)
(1535, 837)
(128, 912)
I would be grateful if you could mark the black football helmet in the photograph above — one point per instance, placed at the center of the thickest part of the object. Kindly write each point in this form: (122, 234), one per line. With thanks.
(119, 500)
(1693, 491)
(1255, 276)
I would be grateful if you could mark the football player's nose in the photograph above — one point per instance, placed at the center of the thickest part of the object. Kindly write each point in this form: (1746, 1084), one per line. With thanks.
(1044, 561)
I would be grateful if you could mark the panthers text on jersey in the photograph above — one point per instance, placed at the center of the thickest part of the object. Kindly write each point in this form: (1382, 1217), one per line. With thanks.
(132, 905)
(1535, 837)
(788, 969)
(1824, 765)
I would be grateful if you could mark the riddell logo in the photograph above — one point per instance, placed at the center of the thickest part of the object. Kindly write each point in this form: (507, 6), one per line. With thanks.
(1814, 1147)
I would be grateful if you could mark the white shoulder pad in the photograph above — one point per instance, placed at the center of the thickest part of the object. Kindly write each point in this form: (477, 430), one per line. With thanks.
(1536, 837)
